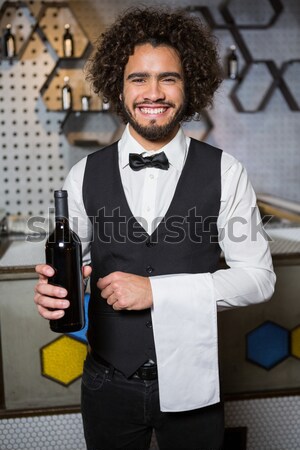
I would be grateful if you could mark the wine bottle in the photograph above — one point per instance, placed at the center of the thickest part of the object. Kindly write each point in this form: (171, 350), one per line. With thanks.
(9, 43)
(232, 63)
(68, 43)
(66, 95)
(63, 253)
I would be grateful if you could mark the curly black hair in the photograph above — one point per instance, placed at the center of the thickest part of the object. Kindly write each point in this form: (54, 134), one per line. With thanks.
(195, 45)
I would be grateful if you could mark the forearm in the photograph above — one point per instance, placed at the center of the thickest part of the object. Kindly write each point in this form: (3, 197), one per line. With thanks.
(228, 288)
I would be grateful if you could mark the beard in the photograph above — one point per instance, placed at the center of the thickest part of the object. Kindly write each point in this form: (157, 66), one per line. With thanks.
(154, 132)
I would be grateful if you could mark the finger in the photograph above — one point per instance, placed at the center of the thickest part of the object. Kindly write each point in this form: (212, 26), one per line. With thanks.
(51, 315)
(102, 283)
(112, 299)
(50, 290)
(116, 306)
(112, 277)
(107, 292)
(50, 303)
(44, 271)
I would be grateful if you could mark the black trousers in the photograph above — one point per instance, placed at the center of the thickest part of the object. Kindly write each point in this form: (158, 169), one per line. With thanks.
(121, 413)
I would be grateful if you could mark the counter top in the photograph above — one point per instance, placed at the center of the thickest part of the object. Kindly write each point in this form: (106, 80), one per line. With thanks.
(19, 255)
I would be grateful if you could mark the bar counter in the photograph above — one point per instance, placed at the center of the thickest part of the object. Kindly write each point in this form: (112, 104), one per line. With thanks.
(24, 333)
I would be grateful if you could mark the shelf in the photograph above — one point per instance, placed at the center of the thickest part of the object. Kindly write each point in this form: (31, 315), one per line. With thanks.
(79, 128)
(274, 77)
(277, 81)
(291, 74)
(23, 25)
(51, 90)
(275, 9)
(51, 21)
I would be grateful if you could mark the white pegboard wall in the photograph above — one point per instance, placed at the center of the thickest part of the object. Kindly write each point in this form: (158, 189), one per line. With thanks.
(35, 157)
(33, 152)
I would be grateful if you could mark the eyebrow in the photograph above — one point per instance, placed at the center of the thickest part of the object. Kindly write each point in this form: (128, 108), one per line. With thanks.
(160, 75)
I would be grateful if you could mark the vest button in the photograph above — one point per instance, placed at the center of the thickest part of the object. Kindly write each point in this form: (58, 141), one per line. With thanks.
(149, 324)
(149, 269)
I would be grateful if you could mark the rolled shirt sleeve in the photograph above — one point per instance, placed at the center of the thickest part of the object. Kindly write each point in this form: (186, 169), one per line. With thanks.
(79, 221)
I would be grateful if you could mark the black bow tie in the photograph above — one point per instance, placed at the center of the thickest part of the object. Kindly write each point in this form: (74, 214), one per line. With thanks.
(138, 162)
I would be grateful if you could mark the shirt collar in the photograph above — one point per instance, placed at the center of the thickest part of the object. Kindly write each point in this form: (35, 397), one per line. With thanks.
(175, 150)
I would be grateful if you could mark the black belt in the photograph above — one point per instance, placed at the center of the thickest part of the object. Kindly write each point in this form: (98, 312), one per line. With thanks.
(147, 371)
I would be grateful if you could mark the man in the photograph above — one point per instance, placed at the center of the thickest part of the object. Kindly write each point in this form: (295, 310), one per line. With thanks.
(153, 229)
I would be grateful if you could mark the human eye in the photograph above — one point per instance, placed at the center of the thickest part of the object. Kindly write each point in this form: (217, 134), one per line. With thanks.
(138, 80)
(169, 80)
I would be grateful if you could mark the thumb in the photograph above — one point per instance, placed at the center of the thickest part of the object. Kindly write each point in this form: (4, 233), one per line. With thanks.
(86, 270)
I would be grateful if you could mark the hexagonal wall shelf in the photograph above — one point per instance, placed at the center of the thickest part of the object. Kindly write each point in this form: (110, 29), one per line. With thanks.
(291, 76)
(22, 25)
(267, 345)
(62, 360)
(51, 91)
(52, 20)
(82, 128)
(248, 94)
(230, 8)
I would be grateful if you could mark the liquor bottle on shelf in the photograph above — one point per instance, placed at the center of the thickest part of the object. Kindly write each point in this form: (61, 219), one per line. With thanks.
(64, 254)
(66, 95)
(85, 102)
(68, 42)
(105, 104)
(9, 43)
(232, 64)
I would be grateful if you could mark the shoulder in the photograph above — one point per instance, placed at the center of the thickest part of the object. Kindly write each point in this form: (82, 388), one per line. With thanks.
(229, 163)
(231, 166)
(102, 153)
(199, 145)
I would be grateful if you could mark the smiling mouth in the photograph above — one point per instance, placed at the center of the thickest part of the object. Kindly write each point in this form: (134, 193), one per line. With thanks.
(152, 111)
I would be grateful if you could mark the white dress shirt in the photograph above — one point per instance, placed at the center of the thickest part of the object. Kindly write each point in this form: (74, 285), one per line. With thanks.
(184, 311)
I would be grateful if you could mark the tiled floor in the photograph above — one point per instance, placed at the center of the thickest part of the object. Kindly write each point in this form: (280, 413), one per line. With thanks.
(272, 423)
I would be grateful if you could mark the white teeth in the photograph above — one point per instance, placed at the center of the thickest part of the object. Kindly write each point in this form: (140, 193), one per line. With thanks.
(153, 110)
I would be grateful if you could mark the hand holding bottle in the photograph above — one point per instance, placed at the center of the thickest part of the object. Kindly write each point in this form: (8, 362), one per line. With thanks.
(63, 271)
(52, 300)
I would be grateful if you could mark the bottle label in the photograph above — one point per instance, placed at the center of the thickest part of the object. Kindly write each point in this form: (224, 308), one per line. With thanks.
(85, 103)
(68, 47)
(105, 106)
(10, 48)
(66, 100)
(233, 69)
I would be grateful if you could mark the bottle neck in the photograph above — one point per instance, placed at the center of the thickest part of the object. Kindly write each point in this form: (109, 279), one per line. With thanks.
(62, 222)
(61, 211)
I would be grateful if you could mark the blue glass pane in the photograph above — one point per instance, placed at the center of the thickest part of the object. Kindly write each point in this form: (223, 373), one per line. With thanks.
(268, 345)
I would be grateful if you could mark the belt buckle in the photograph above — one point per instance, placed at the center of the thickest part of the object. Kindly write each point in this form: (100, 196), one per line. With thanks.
(147, 373)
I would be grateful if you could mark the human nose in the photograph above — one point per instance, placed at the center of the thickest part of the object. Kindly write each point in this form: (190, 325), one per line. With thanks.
(154, 91)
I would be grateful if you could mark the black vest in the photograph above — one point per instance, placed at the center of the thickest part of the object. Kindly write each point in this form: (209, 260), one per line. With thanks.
(184, 242)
